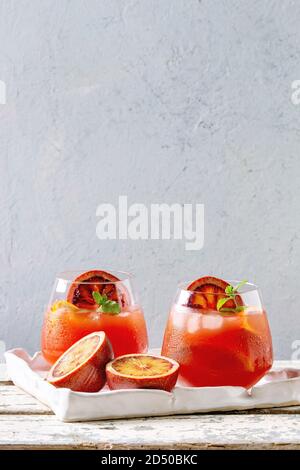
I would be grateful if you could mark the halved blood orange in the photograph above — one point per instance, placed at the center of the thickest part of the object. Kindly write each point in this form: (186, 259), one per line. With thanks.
(207, 291)
(82, 367)
(142, 371)
(82, 288)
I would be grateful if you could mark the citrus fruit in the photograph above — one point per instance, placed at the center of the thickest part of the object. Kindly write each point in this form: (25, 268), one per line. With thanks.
(82, 367)
(62, 304)
(207, 291)
(81, 290)
(142, 371)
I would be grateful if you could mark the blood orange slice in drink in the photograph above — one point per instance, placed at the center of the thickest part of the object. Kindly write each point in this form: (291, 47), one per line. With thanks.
(207, 291)
(142, 371)
(82, 288)
(82, 367)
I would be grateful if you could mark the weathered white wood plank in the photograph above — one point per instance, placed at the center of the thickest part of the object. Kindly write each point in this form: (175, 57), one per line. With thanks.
(188, 432)
(267, 411)
(15, 401)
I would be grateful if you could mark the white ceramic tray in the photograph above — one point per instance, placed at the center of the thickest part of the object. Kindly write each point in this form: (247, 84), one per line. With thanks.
(280, 387)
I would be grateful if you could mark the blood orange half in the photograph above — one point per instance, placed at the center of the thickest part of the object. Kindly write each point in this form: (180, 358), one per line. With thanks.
(82, 367)
(142, 371)
(82, 288)
(207, 291)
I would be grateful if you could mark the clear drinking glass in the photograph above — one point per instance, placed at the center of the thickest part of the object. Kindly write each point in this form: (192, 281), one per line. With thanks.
(73, 313)
(216, 348)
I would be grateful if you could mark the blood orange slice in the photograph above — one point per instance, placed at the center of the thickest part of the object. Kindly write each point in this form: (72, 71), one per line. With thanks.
(207, 291)
(82, 367)
(142, 371)
(82, 288)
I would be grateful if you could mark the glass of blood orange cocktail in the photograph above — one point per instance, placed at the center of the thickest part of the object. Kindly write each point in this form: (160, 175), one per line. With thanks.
(95, 300)
(219, 333)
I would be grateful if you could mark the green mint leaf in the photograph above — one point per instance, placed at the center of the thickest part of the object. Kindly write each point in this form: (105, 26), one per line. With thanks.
(106, 305)
(239, 285)
(97, 297)
(238, 309)
(222, 302)
(111, 307)
(228, 310)
(241, 308)
(229, 290)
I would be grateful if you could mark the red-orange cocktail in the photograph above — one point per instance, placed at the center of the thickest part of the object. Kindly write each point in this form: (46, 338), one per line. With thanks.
(94, 301)
(229, 345)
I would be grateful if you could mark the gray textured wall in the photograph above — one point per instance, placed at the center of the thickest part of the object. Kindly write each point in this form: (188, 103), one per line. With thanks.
(163, 101)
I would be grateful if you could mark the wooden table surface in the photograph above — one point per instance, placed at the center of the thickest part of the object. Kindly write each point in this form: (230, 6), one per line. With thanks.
(27, 424)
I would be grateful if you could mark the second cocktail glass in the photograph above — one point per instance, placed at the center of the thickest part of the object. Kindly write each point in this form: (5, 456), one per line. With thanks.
(229, 346)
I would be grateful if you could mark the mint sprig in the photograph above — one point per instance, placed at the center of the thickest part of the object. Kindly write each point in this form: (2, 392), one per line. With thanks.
(231, 292)
(106, 305)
